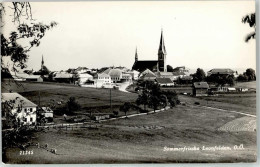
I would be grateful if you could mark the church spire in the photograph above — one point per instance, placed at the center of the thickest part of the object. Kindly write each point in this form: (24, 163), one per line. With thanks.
(162, 45)
(136, 55)
(42, 63)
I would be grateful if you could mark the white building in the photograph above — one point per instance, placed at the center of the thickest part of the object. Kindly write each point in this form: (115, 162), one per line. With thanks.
(24, 109)
(83, 77)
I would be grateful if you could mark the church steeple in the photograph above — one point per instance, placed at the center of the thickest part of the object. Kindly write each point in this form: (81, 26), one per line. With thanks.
(42, 63)
(136, 55)
(162, 55)
(162, 45)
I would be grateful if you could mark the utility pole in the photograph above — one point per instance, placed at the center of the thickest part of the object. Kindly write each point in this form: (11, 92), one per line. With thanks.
(110, 101)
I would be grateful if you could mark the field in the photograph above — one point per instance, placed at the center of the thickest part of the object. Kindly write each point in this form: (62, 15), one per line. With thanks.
(144, 138)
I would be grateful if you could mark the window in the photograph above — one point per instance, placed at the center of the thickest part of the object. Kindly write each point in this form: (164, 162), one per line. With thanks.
(31, 119)
(25, 119)
(31, 109)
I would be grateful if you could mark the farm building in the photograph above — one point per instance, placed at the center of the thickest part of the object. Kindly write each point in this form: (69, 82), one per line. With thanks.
(47, 114)
(63, 77)
(222, 72)
(24, 108)
(164, 81)
(200, 88)
(34, 78)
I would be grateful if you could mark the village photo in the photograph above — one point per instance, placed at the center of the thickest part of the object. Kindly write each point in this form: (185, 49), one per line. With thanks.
(128, 82)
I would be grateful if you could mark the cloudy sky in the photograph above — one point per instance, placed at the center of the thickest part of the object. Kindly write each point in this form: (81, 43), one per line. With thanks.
(96, 34)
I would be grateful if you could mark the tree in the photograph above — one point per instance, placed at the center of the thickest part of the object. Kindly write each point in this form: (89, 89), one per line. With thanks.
(31, 33)
(231, 80)
(143, 99)
(242, 78)
(250, 19)
(199, 75)
(72, 105)
(125, 107)
(154, 101)
(163, 100)
(250, 73)
(169, 68)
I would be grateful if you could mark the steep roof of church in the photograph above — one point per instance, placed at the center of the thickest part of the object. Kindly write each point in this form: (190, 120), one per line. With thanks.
(162, 45)
(146, 64)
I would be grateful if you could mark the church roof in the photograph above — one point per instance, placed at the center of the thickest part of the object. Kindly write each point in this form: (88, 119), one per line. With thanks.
(145, 64)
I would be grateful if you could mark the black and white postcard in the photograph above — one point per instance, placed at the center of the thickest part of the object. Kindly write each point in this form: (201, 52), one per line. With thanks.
(128, 82)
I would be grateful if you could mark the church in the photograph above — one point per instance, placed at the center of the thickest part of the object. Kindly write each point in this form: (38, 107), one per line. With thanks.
(153, 65)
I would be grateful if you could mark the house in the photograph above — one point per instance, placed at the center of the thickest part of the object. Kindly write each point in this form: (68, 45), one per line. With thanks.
(115, 74)
(133, 73)
(63, 77)
(34, 78)
(126, 78)
(181, 69)
(164, 75)
(104, 78)
(47, 113)
(83, 77)
(200, 88)
(221, 72)
(147, 75)
(24, 109)
(164, 81)
(177, 75)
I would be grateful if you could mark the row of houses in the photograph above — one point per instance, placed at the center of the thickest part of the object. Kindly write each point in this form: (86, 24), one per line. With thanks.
(203, 89)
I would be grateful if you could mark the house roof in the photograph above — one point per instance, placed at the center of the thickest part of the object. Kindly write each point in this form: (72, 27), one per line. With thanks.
(85, 75)
(19, 100)
(113, 72)
(221, 71)
(164, 80)
(33, 77)
(201, 85)
(187, 78)
(63, 75)
(163, 73)
(145, 64)
(103, 75)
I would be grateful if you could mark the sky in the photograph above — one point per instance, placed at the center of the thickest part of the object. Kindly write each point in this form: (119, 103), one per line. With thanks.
(197, 34)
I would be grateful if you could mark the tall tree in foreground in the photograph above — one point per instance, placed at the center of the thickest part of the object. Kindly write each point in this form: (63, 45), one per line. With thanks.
(250, 19)
(30, 33)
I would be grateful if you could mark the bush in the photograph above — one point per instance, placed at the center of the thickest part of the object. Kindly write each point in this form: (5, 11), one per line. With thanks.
(115, 113)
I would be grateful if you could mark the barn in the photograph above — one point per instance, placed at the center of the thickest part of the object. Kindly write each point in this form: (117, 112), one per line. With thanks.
(200, 88)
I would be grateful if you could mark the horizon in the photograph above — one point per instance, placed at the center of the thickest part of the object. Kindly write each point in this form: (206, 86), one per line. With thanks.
(104, 34)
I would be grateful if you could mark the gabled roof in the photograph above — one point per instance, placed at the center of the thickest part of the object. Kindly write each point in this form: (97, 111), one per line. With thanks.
(63, 75)
(33, 76)
(18, 99)
(164, 80)
(103, 75)
(144, 64)
(201, 85)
